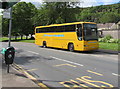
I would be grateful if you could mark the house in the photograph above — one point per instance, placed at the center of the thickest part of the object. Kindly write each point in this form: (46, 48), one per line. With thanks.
(116, 26)
(112, 29)
(107, 26)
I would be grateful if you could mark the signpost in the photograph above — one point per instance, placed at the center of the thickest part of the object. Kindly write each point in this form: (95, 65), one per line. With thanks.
(6, 13)
(10, 26)
(10, 51)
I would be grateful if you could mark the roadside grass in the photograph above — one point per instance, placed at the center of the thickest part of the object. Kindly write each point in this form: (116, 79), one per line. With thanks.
(5, 39)
(27, 41)
(109, 46)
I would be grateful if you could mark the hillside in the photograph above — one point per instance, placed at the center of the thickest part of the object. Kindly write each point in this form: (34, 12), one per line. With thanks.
(101, 14)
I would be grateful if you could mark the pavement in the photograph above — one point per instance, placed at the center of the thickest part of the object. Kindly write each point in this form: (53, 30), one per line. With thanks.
(15, 79)
(108, 51)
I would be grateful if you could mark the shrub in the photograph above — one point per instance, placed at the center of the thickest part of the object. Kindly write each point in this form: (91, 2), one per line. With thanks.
(118, 40)
(108, 37)
(100, 39)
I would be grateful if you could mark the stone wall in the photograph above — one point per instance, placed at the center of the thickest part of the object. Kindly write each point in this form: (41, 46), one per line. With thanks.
(115, 33)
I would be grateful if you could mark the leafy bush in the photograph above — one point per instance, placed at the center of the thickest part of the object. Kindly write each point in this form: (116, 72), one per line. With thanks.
(112, 41)
(109, 39)
(102, 40)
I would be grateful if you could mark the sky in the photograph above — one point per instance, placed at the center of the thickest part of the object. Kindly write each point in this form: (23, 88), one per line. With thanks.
(84, 3)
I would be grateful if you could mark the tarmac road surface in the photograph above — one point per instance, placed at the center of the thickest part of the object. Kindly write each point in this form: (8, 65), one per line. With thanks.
(60, 68)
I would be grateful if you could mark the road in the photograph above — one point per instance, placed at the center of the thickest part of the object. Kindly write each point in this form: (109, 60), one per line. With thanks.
(61, 68)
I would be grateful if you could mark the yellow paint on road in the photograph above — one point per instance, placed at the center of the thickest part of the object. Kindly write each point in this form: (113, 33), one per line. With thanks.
(65, 65)
(94, 73)
(72, 83)
(101, 82)
(63, 83)
(78, 84)
(31, 70)
(87, 82)
(30, 76)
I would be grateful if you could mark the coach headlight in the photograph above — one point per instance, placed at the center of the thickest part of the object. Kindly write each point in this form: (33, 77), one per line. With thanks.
(85, 45)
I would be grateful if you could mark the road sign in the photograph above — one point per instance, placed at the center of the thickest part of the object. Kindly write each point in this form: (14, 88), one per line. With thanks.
(6, 13)
(5, 4)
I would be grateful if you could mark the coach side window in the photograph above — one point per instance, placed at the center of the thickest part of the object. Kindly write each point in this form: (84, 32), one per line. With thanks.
(37, 30)
(79, 31)
(60, 29)
(70, 28)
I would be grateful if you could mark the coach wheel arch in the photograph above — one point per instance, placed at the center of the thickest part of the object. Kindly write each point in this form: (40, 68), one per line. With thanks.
(71, 47)
(44, 44)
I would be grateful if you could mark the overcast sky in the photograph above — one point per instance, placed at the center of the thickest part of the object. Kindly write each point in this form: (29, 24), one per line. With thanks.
(84, 3)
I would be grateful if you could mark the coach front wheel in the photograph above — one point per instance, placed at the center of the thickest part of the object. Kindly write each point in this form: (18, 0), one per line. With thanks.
(44, 44)
(71, 47)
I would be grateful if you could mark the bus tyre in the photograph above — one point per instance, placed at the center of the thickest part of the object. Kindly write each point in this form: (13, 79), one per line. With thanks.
(71, 47)
(44, 44)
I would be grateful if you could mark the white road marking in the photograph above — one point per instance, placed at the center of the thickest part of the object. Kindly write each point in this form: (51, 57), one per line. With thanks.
(115, 74)
(97, 55)
(33, 52)
(67, 61)
(83, 54)
(62, 51)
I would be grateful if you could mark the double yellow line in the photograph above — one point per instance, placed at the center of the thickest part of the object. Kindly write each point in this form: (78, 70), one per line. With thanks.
(20, 69)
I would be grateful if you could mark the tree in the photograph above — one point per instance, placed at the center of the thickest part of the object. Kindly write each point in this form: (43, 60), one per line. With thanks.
(56, 12)
(85, 15)
(5, 27)
(0, 25)
(100, 14)
(22, 18)
(110, 18)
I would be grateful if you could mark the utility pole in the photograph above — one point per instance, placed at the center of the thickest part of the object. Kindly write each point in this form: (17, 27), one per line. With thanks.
(10, 27)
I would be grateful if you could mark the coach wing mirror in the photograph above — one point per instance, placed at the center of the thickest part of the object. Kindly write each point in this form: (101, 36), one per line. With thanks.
(76, 29)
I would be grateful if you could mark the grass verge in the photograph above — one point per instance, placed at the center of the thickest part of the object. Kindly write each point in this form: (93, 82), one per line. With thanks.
(27, 41)
(5, 39)
(109, 46)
